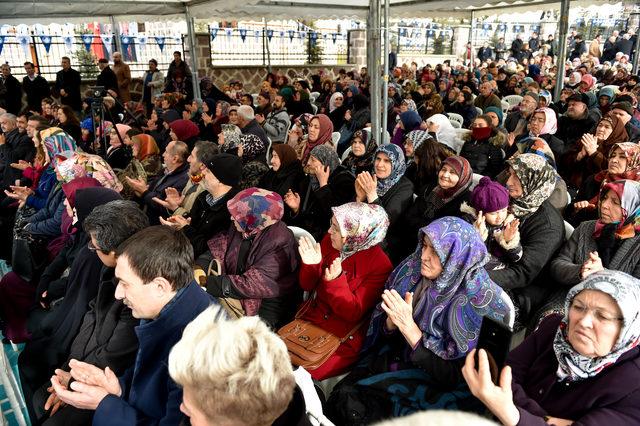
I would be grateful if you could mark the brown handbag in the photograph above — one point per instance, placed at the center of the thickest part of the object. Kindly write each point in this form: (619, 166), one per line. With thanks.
(310, 346)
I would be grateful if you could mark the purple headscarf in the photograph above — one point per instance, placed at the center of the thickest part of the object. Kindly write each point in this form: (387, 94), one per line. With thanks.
(450, 309)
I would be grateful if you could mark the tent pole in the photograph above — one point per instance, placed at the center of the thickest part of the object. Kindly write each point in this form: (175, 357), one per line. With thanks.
(191, 33)
(385, 81)
(116, 35)
(562, 48)
(373, 65)
(636, 55)
(265, 42)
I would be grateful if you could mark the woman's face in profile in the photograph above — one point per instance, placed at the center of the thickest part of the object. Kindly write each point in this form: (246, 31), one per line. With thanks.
(595, 321)
(430, 265)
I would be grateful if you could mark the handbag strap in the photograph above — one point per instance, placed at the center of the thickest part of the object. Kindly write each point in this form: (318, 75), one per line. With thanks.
(305, 307)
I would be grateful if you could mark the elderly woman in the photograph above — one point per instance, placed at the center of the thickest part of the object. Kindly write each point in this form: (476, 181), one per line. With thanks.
(347, 271)
(363, 148)
(249, 379)
(328, 185)
(577, 368)
(257, 258)
(214, 115)
(590, 155)
(543, 124)
(428, 321)
(531, 180)
(623, 163)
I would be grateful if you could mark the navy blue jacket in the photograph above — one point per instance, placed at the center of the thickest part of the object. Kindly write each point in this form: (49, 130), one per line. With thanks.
(176, 179)
(47, 220)
(149, 396)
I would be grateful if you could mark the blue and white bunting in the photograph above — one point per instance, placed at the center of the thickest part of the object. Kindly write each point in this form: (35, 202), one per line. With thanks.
(2, 37)
(214, 33)
(107, 41)
(87, 40)
(160, 42)
(243, 34)
(46, 42)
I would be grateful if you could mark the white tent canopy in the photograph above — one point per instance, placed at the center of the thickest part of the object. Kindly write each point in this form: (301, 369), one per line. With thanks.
(46, 11)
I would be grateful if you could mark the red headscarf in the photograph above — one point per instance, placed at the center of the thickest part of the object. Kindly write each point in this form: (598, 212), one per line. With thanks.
(326, 129)
(184, 129)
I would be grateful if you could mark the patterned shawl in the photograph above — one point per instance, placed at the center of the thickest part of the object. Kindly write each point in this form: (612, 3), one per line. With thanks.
(57, 143)
(365, 161)
(625, 290)
(328, 157)
(363, 226)
(255, 209)
(82, 164)
(631, 150)
(538, 180)
(450, 309)
(398, 167)
(629, 193)
(252, 147)
(231, 134)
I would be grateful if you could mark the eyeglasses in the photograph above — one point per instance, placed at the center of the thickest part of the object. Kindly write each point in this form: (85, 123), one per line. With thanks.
(91, 247)
(599, 315)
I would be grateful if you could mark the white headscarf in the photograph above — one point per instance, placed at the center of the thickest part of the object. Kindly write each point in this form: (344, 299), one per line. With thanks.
(446, 133)
(332, 100)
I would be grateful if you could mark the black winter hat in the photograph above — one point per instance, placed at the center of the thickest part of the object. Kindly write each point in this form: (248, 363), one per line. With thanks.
(227, 168)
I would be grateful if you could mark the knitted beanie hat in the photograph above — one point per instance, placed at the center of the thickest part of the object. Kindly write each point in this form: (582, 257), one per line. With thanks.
(489, 196)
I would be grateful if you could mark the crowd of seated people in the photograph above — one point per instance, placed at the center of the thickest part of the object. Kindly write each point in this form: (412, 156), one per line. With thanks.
(287, 208)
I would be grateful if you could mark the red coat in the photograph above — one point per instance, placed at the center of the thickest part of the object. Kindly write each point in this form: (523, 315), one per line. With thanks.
(343, 302)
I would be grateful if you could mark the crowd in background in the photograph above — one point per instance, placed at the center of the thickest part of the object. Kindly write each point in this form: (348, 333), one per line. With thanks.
(125, 216)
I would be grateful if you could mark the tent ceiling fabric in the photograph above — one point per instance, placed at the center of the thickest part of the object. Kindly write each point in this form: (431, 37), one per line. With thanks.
(44, 11)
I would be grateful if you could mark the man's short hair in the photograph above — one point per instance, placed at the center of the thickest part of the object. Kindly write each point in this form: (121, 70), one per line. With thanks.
(177, 52)
(112, 223)
(29, 63)
(103, 61)
(40, 119)
(206, 151)
(65, 58)
(160, 251)
(249, 379)
(246, 112)
(181, 149)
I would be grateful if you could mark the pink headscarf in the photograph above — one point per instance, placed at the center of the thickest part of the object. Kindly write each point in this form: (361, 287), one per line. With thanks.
(550, 121)
(589, 80)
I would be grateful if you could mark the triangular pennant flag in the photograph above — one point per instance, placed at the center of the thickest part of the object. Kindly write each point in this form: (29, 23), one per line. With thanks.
(2, 37)
(141, 40)
(107, 41)
(68, 42)
(126, 42)
(87, 40)
(23, 41)
(243, 34)
(281, 34)
(214, 33)
(269, 34)
(334, 37)
(291, 34)
(303, 34)
(314, 36)
(324, 36)
(228, 32)
(487, 27)
(160, 41)
(46, 41)
(256, 34)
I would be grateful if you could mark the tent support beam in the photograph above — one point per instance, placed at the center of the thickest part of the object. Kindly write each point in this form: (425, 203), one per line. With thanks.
(562, 48)
(385, 81)
(636, 55)
(373, 66)
(116, 34)
(191, 33)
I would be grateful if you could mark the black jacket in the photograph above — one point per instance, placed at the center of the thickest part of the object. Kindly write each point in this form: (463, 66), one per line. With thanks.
(119, 158)
(570, 131)
(315, 205)
(253, 128)
(17, 146)
(36, 91)
(285, 179)
(177, 179)
(70, 81)
(107, 79)
(541, 236)
(396, 202)
(13, 94)
(206, 220)
(485, 157)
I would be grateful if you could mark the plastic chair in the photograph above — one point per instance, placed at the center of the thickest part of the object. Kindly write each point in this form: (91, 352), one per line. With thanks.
(286, 135)
(313, 96)
(568, 230)
(268, 153)
(299, 233)
(345, 154)
(255, 99)
(479, 110)
(314, 107)
(505, 107)
(512, 309)
(335, 137)
(475, 180)
(455, 118)
(312, 402)
(513, 100)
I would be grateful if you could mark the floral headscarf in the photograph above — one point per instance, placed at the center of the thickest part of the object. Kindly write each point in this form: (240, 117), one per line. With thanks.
(449, 311)
(629, 193)
(631, 151)
(538, 180)
(231, 134)
(411, 105)
(398, 167)
(82, 164)
(146, 146)
(625, 290)
(57, 143)
(224, 108)
(550, 122)
(255, 209)
(362, 225)
(365, 161)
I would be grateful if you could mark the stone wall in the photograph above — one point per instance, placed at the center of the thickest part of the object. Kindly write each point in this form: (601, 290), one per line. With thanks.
(358, 48)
